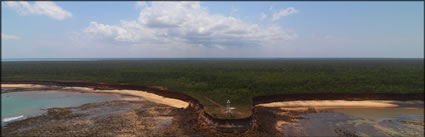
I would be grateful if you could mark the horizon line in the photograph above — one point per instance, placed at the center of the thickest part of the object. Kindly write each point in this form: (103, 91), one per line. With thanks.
(223, 58)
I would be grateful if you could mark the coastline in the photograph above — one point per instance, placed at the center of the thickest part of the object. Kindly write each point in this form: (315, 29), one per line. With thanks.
(205, 120)
(132, 93)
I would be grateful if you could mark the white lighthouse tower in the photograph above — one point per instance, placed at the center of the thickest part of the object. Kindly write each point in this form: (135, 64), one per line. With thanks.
(228, 110)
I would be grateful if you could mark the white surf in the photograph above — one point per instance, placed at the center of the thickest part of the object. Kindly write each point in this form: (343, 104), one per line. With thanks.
(12, 118)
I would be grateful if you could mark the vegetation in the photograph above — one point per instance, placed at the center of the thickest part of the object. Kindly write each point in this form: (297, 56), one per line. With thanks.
(212, 81)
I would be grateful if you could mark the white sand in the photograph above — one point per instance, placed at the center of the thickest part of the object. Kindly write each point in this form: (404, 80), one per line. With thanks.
(334, 103)
(145, 95)
(150, 97)
(21, 86)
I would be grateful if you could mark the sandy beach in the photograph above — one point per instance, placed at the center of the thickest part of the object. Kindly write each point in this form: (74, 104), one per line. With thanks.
(341, 103)
(145, 95)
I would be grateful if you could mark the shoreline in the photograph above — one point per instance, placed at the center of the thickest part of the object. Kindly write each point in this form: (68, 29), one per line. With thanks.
(203, 118)
(181, 100)
(123, 94)
(138, 95)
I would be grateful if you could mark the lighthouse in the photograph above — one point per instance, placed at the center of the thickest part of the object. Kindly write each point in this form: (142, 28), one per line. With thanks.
(228, 110)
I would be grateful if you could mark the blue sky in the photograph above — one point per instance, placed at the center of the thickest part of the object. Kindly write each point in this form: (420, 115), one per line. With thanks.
(212, 29)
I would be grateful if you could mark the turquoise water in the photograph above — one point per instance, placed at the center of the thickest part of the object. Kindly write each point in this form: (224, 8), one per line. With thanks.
(32, 103)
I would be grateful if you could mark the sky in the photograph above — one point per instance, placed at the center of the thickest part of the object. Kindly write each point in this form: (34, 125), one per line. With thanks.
(238, 29)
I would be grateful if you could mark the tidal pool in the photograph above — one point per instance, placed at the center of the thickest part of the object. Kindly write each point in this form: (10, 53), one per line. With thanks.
(20, 105)
(392, 121)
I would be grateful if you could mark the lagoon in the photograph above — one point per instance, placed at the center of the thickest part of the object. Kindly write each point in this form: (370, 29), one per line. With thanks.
(20, 105)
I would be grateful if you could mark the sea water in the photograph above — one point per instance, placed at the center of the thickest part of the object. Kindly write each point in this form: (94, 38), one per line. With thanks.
(20, 105)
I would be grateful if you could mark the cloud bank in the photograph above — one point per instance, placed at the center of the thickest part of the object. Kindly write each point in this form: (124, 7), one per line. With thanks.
(188, 23)
(46, 8)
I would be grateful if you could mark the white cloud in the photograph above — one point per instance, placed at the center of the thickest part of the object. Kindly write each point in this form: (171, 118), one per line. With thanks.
(263, 16)
(141, 4)
(187, 24)
(5, 36)
(47, 8)
(283, 12)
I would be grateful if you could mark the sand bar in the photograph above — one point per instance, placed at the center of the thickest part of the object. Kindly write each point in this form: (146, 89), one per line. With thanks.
(340, 103)
(22, 86)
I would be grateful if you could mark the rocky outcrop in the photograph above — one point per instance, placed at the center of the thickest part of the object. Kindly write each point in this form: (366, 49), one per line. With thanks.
(221, 125)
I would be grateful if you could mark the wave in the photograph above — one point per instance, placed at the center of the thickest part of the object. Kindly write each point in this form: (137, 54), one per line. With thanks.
(12, 118)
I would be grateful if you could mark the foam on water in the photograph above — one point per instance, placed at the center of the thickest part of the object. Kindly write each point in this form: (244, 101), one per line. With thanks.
(12, 118)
